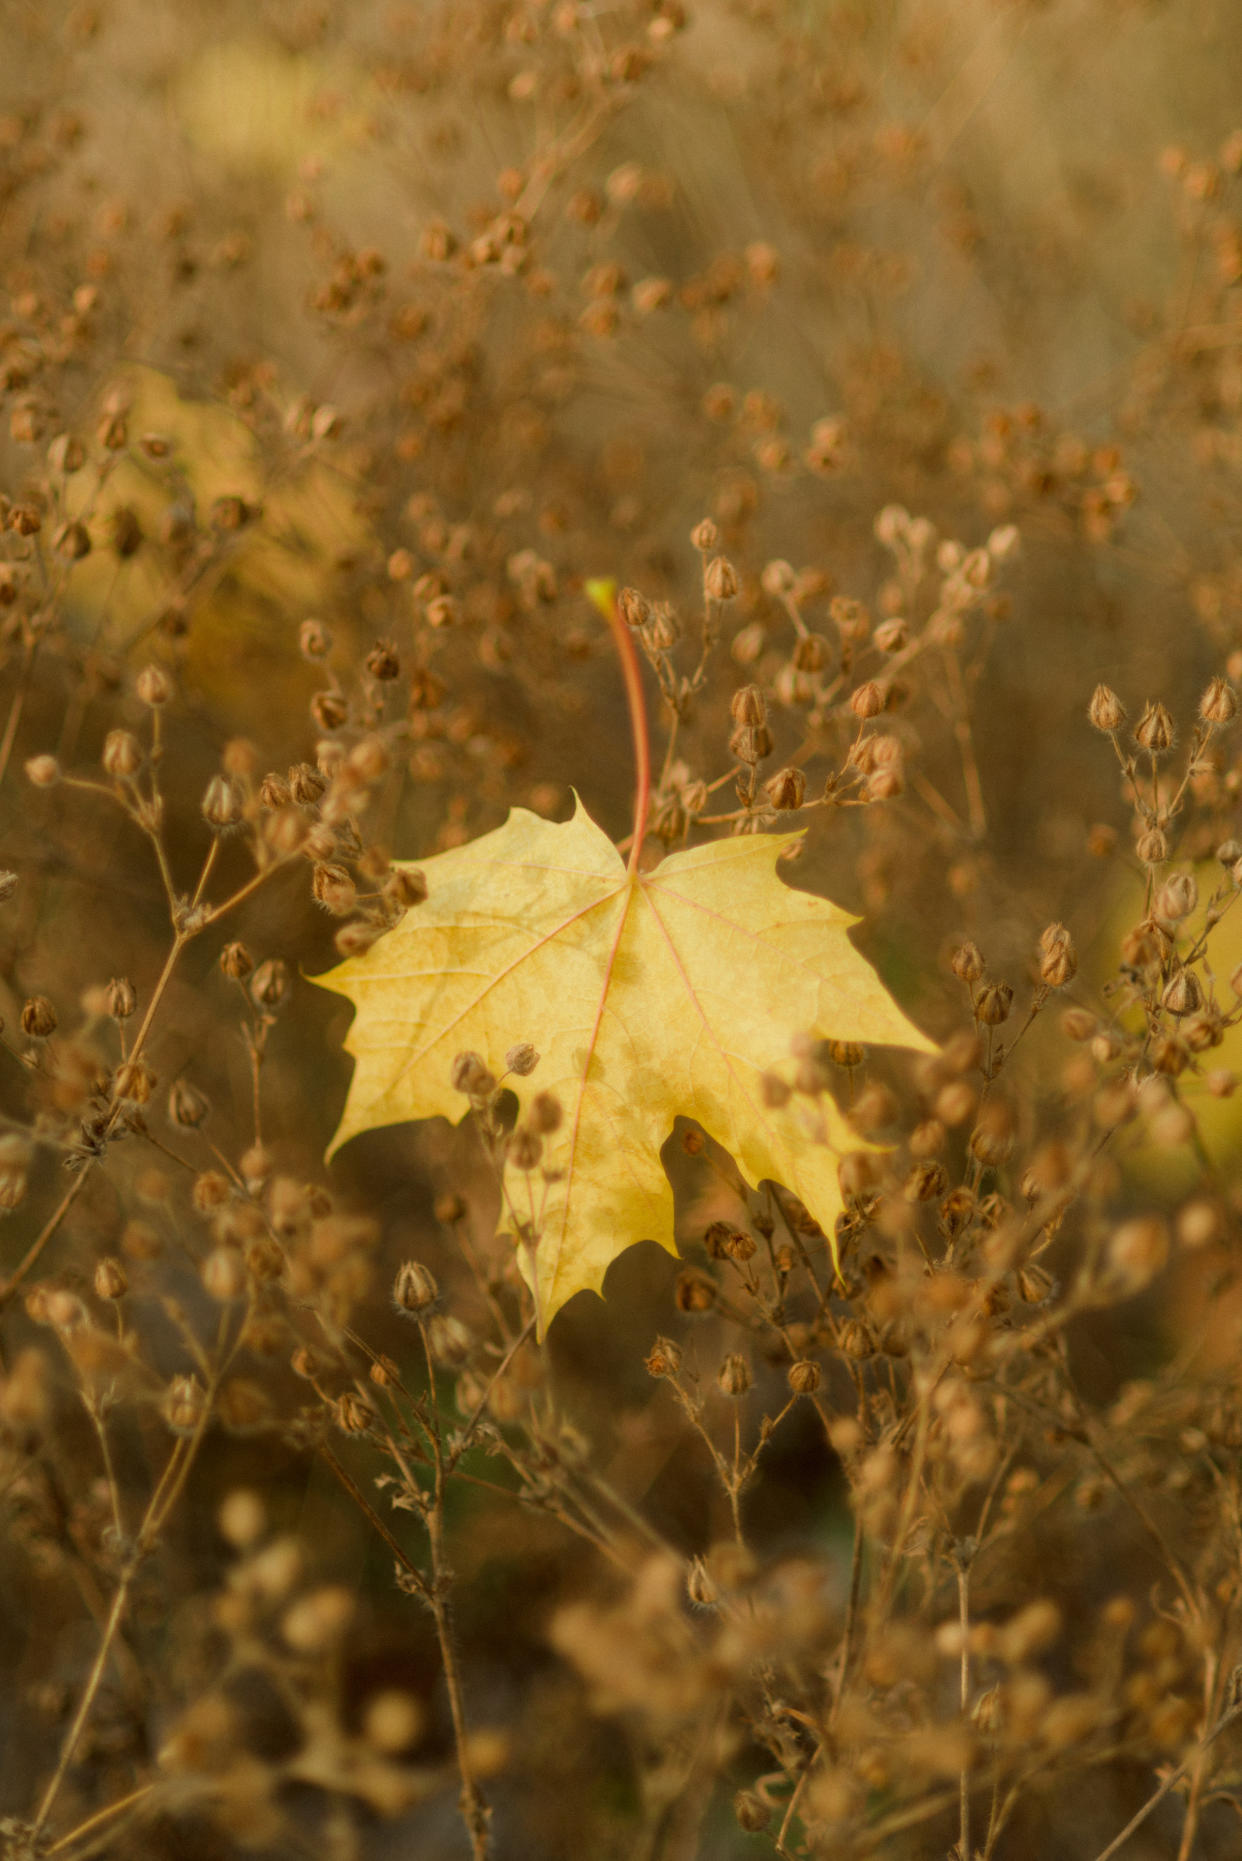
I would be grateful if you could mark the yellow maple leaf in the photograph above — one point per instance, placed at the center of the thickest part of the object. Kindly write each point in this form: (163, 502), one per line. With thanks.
(648, 994)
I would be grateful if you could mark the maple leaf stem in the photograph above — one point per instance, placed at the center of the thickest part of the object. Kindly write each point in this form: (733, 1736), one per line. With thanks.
(604, 597)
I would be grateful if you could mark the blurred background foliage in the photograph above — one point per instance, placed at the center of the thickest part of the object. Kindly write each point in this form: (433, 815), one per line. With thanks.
(387, 304)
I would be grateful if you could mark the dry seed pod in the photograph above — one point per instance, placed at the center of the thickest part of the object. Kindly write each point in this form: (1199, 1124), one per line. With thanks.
(38, 1018)
(1219, 702)
(1154, 730)
(993, 1003)
(664, 1358)
(414, 1289)
(720, 579)
(1106, 711)
(733, 1378)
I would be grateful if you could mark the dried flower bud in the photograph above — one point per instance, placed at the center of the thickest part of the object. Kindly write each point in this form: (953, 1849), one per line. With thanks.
(38, 1018)
(126, 532)
(750, 743)
(811, 653)
(8, 884)
(1154, 730)
(317, 1622)
(694, 1293)
(1138, 1250)
(187, 1106)
(664, 1358)
(333, 888)
(546, 1114)
(753, 1814)
(382, 662)
(705, 536)
(927, 1182)
(122, 998)
(525, 1149)
(868, 700)
(1106, 710)
(43, 771)
(1219, 702)
(804, 1377)
(892, 635)
(329, 710)
(414, 1289)
(786, 790)
(236, 961)
(306, 784)
(122, 754)
(405, 887)
(1183, 994)
(134, 1081)
(633, 607)
(720, 579)
(185, 1402)
(470, 1075)
(223, 1274)
(522, 1060)
(1177, 897)
(992, 1138)
(210, 1192)
(733, 1377)
(749, 706)
(111, 1279)
(154, 687)
(269, 986)
(448, 1339)
(1152, 847)
(221, 805)
(778, 578)
(967, 962)
(993, 1002)
(1058, 963)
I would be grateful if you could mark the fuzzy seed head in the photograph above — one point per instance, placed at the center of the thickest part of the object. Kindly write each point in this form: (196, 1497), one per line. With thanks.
(749, 706)
(1058, 962)
(804, 1377)
(154, 687)
(1177, 897)
(733, 1377)
(1183, 994)
(720, 579)
(867, 700)
(221, 804)
(43, 771)
(236, 961)
(38, 1018)
(1106, 711)
(1219, 703)
(1154, 730)
(187, 1106)
(664, 1358)
(786, 790)
(111, 1279)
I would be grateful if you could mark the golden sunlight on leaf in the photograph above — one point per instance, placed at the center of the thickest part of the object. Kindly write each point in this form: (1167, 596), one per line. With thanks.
(648, 994)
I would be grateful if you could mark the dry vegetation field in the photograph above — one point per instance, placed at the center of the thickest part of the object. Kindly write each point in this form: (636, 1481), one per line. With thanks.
(886, 357)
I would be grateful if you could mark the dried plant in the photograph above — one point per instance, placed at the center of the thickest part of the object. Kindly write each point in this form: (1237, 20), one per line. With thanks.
(415, 413)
